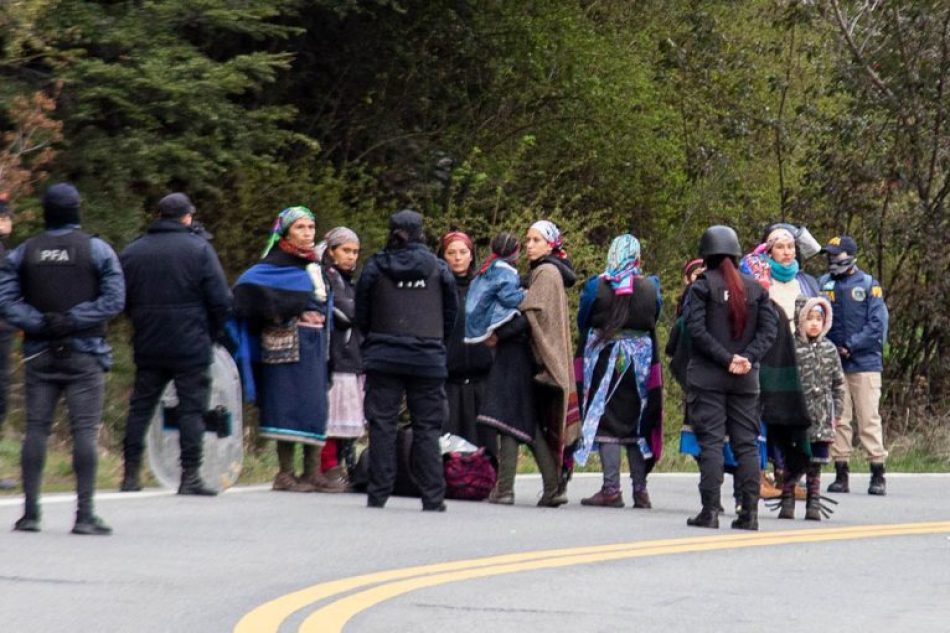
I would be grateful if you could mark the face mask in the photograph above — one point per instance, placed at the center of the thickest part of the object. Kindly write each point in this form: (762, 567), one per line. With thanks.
(840, 266)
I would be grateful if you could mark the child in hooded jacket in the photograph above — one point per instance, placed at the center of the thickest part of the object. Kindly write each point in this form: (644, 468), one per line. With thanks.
(496, 292)
(822, 381)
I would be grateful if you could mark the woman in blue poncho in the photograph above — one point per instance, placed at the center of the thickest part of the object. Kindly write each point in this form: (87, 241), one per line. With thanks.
(282, 303)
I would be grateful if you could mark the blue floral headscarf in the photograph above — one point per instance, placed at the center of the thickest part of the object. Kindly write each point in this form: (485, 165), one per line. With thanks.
(623, 264)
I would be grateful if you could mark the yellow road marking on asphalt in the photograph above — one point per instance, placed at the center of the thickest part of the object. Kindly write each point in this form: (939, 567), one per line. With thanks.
(333, 617)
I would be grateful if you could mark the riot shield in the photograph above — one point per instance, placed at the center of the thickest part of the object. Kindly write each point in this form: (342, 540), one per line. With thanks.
(223, 448)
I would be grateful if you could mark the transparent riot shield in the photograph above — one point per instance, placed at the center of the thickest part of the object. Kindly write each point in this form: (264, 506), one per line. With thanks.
(223, 449)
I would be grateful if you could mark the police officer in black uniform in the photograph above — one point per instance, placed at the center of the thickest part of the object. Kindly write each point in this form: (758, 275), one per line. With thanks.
(178, 300)
(61, 288)
(732, 325)
(406, 306)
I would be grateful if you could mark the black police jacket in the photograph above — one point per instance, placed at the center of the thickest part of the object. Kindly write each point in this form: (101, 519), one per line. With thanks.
(176, 296)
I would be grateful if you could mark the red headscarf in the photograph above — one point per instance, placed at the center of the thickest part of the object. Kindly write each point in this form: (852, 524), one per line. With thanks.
(457, 236)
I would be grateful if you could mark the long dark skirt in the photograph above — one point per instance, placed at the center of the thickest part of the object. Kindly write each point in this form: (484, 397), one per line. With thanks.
(465, 401)
(293, 396)
(621, 415)
(508, 405)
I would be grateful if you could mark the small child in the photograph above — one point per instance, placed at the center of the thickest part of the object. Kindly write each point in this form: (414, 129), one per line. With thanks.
(822, 379)
(496, 291)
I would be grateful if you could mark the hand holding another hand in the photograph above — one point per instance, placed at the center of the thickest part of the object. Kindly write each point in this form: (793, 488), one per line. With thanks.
(740, 365)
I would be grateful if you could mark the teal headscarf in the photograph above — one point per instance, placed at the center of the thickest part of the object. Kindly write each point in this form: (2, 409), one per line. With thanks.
(623, 264)
(284, 221)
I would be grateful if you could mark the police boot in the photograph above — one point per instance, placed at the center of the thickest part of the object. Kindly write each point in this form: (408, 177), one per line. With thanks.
(130, 480)
(748, 518)
(708, 517)
(840, 484)
(91, 525)
(878, 483)
(29, 522)
(191, 484)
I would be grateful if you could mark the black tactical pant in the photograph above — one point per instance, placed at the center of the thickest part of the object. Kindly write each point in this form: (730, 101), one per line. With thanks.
(426, 400)
(193, 387)
(714, 415)
(79, 377)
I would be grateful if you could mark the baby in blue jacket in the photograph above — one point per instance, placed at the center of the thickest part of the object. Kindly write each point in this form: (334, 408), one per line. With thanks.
(496, 291)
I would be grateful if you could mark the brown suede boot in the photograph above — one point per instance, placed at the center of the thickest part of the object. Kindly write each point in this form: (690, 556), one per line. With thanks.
(767, 488)
(337, 475)
(312, 476)
(604, 499)
(641, 500)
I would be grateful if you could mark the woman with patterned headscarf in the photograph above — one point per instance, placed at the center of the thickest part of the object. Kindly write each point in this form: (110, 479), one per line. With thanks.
(282, 304)
(531, 391)
(340, 253)
(775, 264)
(622, 397)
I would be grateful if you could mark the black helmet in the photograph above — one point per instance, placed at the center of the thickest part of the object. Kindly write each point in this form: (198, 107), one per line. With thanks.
(719, 240)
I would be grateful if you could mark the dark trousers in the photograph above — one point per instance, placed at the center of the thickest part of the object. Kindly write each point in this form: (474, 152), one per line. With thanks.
(193, 386)
(426, 400)
(81, 380)
(6, 342)
(714, 415)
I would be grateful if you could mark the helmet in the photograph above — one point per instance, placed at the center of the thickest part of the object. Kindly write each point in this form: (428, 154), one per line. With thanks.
(719, 240)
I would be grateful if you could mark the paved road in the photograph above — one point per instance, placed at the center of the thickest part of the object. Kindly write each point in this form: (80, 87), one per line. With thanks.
(185, 564)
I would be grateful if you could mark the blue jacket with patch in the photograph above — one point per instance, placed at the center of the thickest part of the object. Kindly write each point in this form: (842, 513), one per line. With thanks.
(860, 319)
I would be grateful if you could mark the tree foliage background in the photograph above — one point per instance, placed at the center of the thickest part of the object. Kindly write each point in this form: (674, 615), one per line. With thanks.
(659, 117)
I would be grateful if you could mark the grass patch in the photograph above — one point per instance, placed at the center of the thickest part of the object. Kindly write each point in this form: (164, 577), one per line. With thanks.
(917, 453)
(918, 441)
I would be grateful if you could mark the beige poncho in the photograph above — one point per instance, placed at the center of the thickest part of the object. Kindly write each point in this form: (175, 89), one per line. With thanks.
(545, 307)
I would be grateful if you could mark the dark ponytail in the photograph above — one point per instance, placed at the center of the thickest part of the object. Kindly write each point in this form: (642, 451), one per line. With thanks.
(398, 238)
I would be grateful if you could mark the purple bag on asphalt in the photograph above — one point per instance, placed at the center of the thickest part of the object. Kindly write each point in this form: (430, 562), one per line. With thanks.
(468, 476)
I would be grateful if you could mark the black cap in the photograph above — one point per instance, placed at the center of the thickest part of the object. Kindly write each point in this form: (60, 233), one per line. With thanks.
(408, 221)
(61, 205)
(841, 244)
(175, 205)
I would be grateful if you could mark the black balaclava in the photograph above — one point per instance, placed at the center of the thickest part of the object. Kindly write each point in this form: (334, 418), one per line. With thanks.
(61, 205)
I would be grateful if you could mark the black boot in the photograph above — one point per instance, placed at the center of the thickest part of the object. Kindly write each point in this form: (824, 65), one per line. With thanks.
(191, 484)
(27, 523)
(787, 506)
(130, 480)
(840, 484)
(748, 518)
(878, 483)
(91, 525)
(708, 517)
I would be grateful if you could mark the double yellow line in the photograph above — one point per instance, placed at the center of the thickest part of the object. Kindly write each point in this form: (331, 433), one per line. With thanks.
(333, 616)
